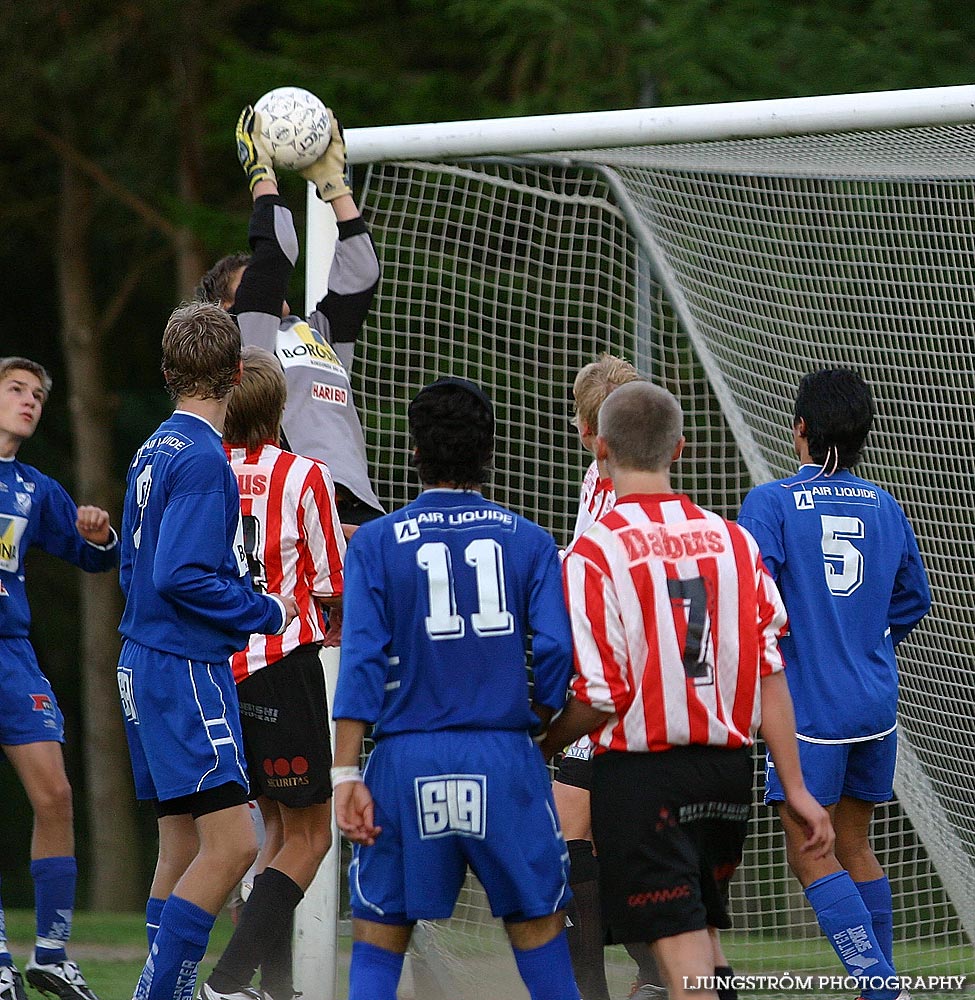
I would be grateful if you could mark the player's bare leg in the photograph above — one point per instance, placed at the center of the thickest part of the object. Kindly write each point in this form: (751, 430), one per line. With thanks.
(228, 845)
(377, 959)
(686, 960)
(542, 956)
(296, 841)
(40, 767)
(179, 843)
(835, 897)
(851, 821)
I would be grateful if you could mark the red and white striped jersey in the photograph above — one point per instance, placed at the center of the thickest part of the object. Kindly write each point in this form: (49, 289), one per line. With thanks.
(597, 498)
(675, 620)
(294, 544)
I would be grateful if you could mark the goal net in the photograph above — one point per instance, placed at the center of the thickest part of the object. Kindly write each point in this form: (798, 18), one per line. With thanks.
(725, 269)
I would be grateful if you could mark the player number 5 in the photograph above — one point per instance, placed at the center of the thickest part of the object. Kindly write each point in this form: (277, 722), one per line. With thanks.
(843, 561)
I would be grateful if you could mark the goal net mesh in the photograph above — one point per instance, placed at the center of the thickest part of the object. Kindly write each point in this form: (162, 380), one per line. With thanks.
(725, 270)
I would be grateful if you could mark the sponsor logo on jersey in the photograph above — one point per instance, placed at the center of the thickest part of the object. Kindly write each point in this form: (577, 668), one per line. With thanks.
(670, 543)
(263, 713)
(804, 500)
(284, 773)
(300, 344)
(334, 394)
(836, 492)
(451, 804)
(406, 531)
(584, 752)
(251, 484)
(126, 692)
(478, 516)
(12, 529)
(42, 703)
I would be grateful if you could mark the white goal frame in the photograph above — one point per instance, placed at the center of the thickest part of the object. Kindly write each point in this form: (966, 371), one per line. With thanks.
(437, 142)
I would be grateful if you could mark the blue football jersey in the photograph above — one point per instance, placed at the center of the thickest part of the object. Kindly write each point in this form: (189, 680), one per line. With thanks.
(184, 568)
(440, 599)
(35, 510)
(847, 565)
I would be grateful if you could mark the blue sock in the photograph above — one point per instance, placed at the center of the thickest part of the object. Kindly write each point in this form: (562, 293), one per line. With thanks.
(878, 900)
(179, 945)
(547, 971)
(154, 908)
(374, 972)
(54, 889)
(848, 928)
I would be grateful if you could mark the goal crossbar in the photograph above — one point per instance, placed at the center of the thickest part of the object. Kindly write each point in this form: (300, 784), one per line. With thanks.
(725, 250)
(653, 126)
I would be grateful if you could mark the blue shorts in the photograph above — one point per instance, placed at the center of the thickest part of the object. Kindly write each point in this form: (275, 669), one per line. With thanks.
(451, 799)
(182, 723)
(863, 770)
(30, 710)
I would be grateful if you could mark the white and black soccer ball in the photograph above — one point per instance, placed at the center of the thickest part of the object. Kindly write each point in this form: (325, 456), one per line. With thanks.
(295, 126)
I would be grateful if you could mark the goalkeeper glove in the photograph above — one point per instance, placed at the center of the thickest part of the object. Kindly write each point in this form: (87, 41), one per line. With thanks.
(252, 150)
(327, 173)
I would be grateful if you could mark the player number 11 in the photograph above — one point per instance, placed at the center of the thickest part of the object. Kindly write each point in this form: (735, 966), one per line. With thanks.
(492, 616)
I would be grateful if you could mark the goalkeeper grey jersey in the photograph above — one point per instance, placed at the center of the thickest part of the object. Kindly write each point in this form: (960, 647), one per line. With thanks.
(320, 419)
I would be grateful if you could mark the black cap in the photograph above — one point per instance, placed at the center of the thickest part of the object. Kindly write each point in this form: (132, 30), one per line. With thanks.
(451, 381)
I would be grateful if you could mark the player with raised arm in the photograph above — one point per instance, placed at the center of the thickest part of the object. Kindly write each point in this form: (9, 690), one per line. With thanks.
(674, 621)
(445, 593)
(36, 511)
(847, 563)
(320, 420)
(294, 546)
(189, 606)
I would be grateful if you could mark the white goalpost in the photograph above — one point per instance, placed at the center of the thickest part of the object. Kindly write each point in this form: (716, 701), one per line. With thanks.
(726, 250)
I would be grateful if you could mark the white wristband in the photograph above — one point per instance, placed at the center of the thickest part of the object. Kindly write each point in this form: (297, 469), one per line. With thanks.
(343, 775)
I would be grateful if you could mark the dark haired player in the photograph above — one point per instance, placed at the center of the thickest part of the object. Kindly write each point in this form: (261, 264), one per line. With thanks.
(320, 420)
(444, 593)
(847, 564)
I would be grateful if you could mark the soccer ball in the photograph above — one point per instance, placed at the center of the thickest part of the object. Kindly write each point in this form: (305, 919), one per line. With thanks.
(295, 126)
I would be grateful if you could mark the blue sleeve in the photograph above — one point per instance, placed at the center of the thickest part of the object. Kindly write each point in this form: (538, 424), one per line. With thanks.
(761, 521)
(59, 535)
(548, 620)
(366, 635)
(911, 598)
(189, 568)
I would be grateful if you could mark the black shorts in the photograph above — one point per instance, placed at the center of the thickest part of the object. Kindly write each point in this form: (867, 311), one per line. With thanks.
(575, 768)
(669, 829)
(284, 719)
(351, 509)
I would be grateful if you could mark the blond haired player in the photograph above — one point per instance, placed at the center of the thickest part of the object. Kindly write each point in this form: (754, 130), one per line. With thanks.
(675, 624)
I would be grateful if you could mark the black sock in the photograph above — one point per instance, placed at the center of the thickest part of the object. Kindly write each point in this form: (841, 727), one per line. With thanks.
(726, 972)
(585, 933)
(277, 966)
(647, 970)
(270, 906)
